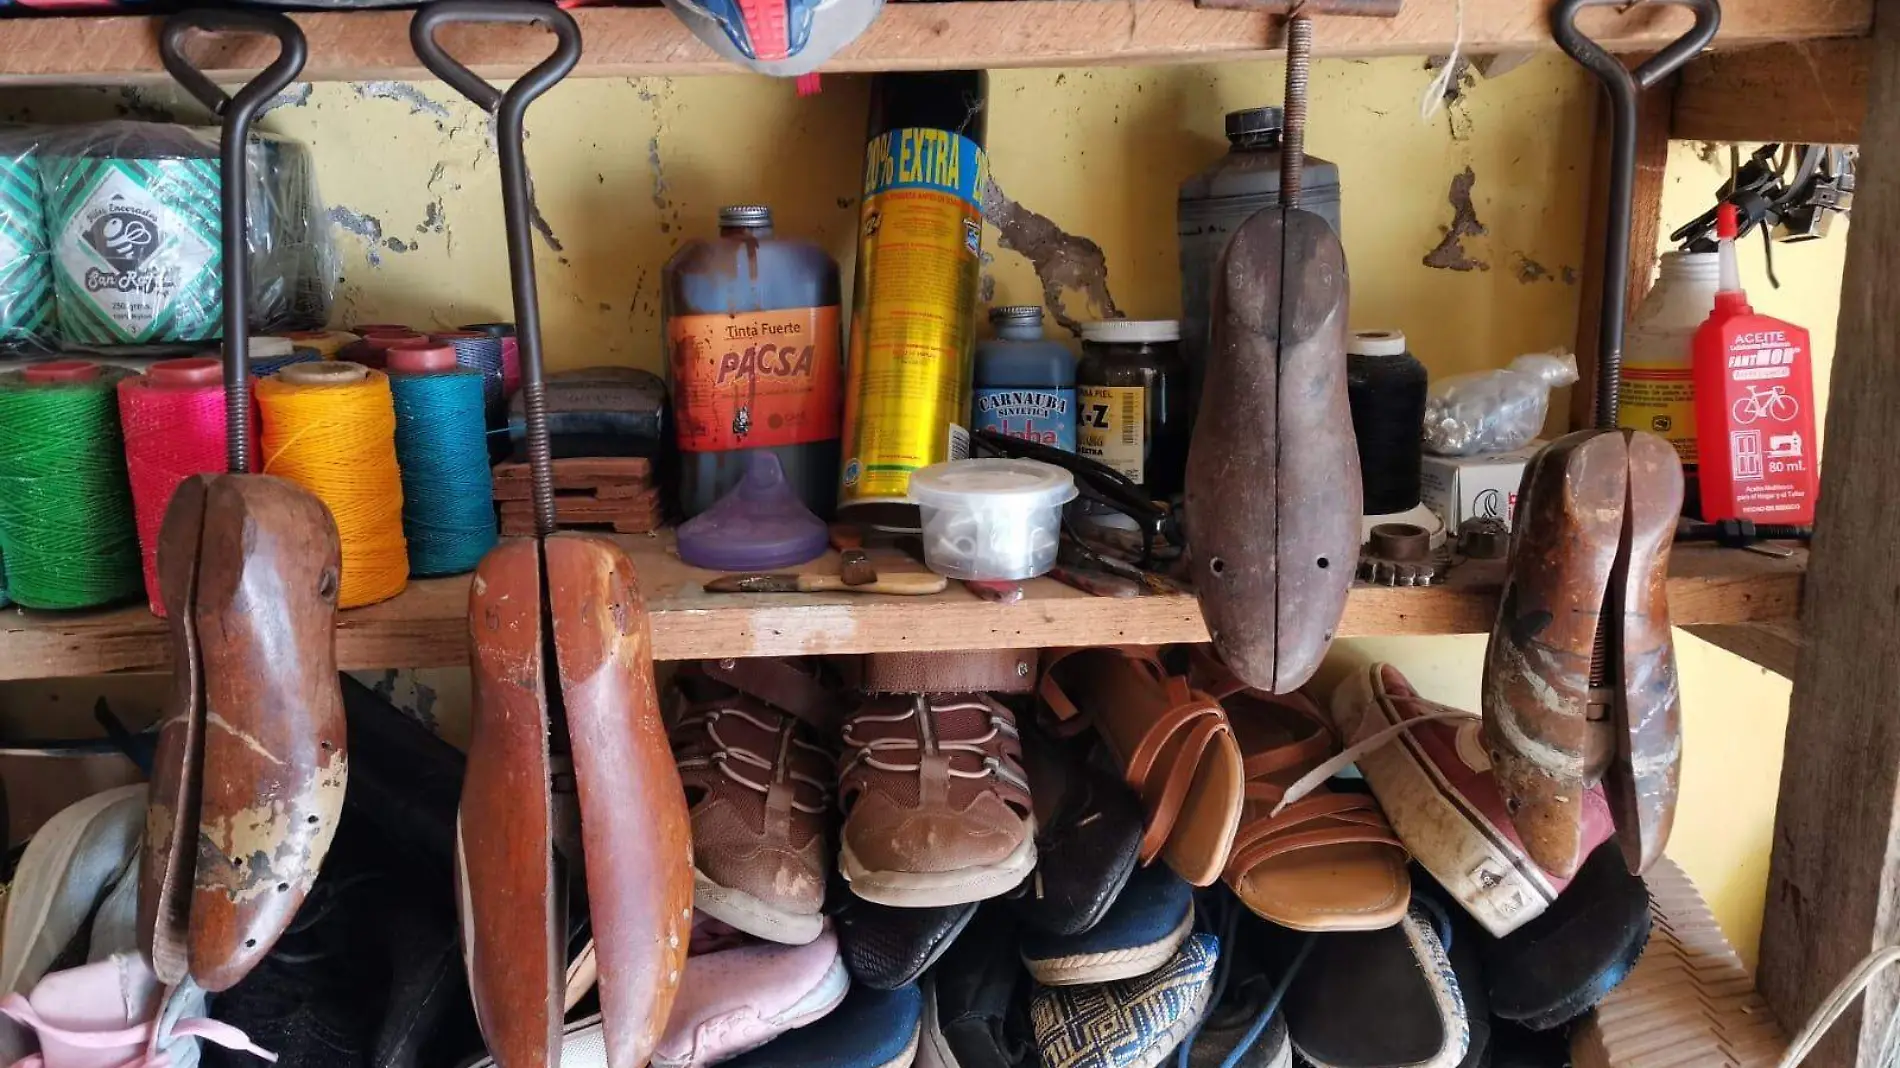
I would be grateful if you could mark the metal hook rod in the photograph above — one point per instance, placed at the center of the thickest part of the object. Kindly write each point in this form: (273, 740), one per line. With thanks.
(1624, 85)
(237, 113)
(510, 108)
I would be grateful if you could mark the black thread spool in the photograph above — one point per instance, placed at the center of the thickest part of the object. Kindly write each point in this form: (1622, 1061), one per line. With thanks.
(1385, 385)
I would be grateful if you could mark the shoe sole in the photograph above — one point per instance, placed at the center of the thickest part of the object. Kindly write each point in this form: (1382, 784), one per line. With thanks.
(932, 1048)
(1500, 886)
(933, 889)
(754, 917)
(1111, 965)
(821, 999)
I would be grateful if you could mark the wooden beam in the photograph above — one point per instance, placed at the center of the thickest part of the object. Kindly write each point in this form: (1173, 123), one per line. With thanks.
(632, 41)
(1834, 879)
(1774, 646)
(1808, 92)
(1652, 163)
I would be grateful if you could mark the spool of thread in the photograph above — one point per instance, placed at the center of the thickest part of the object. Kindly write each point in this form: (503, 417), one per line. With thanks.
(4, 599)
(362, 329)
(270, 355)
(480, 352)
(330, 427)
(448, 495)
(66, 527)
(371, 350)
(1385, 387)
(510, 354)
(173, 417)
(327, 342)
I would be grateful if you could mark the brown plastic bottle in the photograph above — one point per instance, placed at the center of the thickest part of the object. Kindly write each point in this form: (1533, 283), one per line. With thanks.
(754, 361)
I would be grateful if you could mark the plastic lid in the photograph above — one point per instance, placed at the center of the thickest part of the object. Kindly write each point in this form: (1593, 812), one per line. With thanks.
(1728, 222)
(491, 329)
(1252, 122)
(324, 373)
(271, 348)
(1376, 343)
(420, 357)
(366, 329)
(760, 524)
(54, 372)
(749, 215)
(1131, 331)
(187, 373)
(457, 335)
(1016, 315)
(1025, 484)
(384, 339)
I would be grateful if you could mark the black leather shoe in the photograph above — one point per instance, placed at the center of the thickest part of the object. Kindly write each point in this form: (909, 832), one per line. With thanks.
(1088, 838)
(885, 947)
(1558, 966)
(977, 1018)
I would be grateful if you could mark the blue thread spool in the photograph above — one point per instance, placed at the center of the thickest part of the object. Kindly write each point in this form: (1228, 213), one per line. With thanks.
(448, 496)
(481, 351)
(270, 355)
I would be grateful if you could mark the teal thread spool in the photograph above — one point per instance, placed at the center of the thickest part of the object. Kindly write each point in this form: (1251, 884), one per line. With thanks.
(448, 495)
(66, 528)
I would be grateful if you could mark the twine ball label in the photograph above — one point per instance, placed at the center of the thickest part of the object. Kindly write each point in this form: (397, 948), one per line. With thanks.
(136, 255)
(26, 280)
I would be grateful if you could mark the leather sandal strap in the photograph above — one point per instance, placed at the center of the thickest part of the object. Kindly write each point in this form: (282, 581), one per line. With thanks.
(1164, 807)
(1306, 752)
(784, 684)
(1257, 853)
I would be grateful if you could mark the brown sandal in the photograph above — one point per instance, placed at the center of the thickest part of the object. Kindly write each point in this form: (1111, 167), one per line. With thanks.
(1308, 859)
(1174, 744)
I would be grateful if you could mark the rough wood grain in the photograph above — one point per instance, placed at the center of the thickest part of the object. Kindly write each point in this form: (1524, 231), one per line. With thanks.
(1813, 92)
(1774, 646)
(1646, 229)
(426, 626)
(907, 36)
(1834, 878)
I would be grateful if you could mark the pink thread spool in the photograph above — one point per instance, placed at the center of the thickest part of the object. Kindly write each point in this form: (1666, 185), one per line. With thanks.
(173, 420)
(373, 350)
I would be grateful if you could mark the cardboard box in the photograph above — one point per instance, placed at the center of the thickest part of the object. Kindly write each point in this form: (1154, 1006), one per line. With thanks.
(1465, 487)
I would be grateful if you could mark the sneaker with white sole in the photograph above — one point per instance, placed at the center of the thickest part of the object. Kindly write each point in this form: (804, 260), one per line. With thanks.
(737, 994)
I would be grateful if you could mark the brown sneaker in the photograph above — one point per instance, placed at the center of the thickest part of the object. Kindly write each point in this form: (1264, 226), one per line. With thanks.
(758, 788)
(937, 808)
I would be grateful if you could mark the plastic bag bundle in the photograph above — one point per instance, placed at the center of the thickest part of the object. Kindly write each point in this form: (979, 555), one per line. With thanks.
(1494, 411)
(26, 271)
(136, 243)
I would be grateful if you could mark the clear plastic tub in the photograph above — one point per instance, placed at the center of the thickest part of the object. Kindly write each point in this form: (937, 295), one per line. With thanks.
(991, 520)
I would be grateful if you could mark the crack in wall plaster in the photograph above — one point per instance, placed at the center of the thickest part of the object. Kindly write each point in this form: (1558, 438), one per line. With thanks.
(1450, 255)
(296, 96)
(420, 103)
(1065, 263)
(367, 227)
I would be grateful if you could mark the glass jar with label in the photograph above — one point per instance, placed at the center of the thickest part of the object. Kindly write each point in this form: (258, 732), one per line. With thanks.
(1132, 403)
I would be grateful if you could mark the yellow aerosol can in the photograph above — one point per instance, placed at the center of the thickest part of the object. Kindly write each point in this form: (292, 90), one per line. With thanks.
(913, 322)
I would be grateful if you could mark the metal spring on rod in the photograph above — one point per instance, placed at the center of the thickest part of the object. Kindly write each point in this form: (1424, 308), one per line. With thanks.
(534, 403)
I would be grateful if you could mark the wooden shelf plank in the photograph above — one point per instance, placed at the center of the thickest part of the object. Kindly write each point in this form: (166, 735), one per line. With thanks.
(1810, 92)
(426, 626)
(1774, 646)
(626, 42)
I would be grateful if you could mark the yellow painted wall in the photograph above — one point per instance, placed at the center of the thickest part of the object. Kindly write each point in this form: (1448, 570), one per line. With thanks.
(626, 169)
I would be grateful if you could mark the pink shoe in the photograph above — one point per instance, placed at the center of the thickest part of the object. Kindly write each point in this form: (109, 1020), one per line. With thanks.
(1434, 781)
(739, 993)
(104, 1014)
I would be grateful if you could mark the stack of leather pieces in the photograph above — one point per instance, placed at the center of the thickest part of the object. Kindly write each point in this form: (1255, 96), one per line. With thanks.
(1690, 999)
(590, 493)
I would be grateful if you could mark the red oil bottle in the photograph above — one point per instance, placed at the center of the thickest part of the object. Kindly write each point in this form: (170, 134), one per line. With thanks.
(1754, 387)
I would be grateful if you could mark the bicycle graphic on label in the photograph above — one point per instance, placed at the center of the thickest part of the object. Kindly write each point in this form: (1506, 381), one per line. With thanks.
(1771, 403)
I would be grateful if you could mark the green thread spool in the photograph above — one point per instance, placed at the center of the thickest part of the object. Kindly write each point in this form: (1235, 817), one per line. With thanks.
(66, 529)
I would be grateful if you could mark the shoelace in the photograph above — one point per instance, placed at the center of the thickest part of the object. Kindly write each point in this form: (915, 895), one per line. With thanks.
(136, 1040)
(1312, 780)
(865, 751)
(726, 753)
(1837, 1002)
(1224, 924)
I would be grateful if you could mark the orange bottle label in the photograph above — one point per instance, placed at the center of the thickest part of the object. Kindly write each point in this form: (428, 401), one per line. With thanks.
(753, 379)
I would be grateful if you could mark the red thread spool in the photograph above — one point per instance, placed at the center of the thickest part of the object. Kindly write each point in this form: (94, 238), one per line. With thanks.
(420, 358)
(372, 351)
(54, 372)
(173, 420)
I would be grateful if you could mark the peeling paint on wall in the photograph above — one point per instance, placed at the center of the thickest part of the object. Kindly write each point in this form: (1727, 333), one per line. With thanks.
(296, 96)
(1529, 270)
(1064, 262)
(1450, 255)
(367, 227)
(419, 102)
